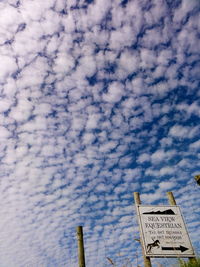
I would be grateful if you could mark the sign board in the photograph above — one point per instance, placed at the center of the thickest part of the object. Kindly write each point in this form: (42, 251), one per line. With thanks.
(163, 232)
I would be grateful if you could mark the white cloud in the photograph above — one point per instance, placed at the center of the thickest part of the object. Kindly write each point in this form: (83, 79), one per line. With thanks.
(8, 66)
(158, 156)
(129, 62)
(132, 174)
(115, 92)
(38, 123)
(143, 158)
(63, 63)
(5, 104)
(42, 109)
(167, 185)
(99, 9)
(189, 109)
(179, 131)
(195, 145)
(148, 58)
(151, 197)
(136, 122)
(4, 133)
(22, 110)
(93, 121)
(167, 171)
(121, 38)
(107, 146)
(185, 8)
(88, 65)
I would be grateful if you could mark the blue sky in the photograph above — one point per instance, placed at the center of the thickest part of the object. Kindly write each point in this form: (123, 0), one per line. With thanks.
(98, 99)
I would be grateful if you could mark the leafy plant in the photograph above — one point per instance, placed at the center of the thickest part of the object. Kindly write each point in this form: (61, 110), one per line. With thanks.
(191, 263)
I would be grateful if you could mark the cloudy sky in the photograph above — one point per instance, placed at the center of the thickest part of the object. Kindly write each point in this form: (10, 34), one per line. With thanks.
(98, 99)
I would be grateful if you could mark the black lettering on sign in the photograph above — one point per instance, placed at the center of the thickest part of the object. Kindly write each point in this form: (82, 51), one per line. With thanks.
(167, 219)
(162, 225)
(153, 219)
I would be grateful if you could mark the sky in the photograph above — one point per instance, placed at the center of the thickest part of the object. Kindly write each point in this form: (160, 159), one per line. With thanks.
(98, 99)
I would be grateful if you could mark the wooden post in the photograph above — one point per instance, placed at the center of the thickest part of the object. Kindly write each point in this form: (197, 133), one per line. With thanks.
(172, 201)
(81, 254)
(147, 261)
(171, 198)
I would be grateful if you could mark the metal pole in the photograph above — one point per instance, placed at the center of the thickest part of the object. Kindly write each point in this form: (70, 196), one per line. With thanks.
(81, 254)
(147, 261)
(172, 201)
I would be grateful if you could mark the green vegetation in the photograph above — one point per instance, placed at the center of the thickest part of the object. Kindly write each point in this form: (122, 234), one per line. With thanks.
(191, 263)
(181, 263)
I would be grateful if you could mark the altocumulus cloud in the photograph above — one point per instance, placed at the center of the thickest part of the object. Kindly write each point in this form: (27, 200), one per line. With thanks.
(98, 99)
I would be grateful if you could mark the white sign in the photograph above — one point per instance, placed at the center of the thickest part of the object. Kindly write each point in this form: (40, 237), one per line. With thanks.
(163, 232)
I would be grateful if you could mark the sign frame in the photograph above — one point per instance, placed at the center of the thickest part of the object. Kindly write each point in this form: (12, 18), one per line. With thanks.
(175, 249)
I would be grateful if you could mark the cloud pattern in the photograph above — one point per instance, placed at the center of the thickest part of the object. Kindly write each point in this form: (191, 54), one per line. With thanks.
(98, 99)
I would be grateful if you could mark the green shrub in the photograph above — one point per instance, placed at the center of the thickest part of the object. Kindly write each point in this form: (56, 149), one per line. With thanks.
(191, 263)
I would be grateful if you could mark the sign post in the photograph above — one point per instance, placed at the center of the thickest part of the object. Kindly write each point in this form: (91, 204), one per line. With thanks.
(172, 201)
(147, 261)
(162, 230)
(81, 254)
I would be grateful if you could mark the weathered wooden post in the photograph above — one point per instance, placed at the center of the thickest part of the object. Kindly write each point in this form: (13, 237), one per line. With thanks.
(81, 254)
(171, 198)
(172, 201)
(147, 261)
